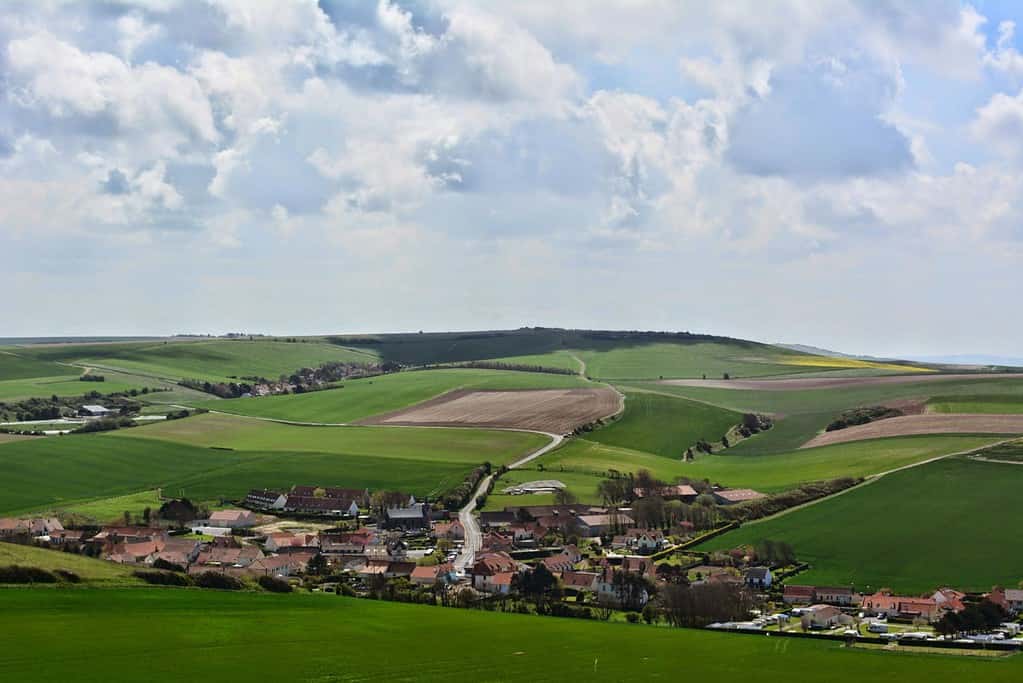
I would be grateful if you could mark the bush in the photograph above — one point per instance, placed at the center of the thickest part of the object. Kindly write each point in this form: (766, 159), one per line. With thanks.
(18, 574)
(861, 416)
(169, 566)
(220, 581)
(162, 578)
(632, 617)
(274, 585)
(346, 590)
(68, 576)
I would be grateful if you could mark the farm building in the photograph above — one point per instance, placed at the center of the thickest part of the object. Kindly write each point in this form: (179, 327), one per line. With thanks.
(758, 577)
(734, 496)
(539, 486)
(836, 595)
(233, 519)
(265, 499)
(798, 594)
(822, 616)
(96, 411)
(599, 525)
(683, 492)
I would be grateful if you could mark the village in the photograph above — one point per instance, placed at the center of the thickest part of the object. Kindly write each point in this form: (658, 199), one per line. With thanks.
(573, 560)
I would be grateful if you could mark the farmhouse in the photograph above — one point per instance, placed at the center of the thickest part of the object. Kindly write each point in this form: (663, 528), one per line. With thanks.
(600, 525)
(579, 581)
(452, 531)
(492, 572)
(265, 499)
(318, 505)
(734, 496)
(277, 541)
(1009, 599)
(430, 576)
(233, 519)
(497, 518)
(558, 563)
(833, 595)
(798, 594)
(644, 541)
(884, 603)
(36, 527)
(683, 492)
(612, 585)
(950, 599)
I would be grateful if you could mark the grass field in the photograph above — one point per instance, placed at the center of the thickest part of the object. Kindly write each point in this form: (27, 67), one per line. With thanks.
(106, 510)
(92, 571)
(372, 396)
(67, 385)
(179, 457)
(806, 412)
(15, 366)
(215, 360)
(465, 446)
(952, 522)
(665, 426)
(989, 404)
(93, 635)
(582, 484)
(765, 473)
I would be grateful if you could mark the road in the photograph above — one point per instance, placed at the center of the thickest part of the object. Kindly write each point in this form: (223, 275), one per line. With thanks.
(473, 535)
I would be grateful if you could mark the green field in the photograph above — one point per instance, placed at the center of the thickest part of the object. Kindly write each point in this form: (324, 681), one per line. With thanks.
(16, 366)
(806, 412)
(94, 636)
(952, 522)
(582, 484)
(65, 472)
(991, 404)
(215, 360)
(92, 571)
(766, 473)
(665, 426)
(44, 387)
(363, 398)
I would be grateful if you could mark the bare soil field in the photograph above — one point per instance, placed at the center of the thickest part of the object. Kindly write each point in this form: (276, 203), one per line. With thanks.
(928, 423)
(800, 383)
(557, 411)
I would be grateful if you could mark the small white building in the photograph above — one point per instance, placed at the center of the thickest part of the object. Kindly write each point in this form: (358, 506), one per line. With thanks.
(96, 411)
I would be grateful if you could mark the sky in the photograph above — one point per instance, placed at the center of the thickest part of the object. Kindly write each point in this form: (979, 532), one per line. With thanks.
(843, 174)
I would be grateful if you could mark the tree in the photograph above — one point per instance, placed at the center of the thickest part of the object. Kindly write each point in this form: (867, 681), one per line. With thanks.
(564, 497)
(538, 585)
(317, 565)
(147, 514)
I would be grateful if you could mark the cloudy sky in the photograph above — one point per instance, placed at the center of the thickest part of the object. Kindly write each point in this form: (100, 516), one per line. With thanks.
(845, 174)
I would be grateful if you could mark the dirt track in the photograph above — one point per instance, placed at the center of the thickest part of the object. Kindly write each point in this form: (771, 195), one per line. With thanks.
(556, 411)
(800, 383)
(930, 423)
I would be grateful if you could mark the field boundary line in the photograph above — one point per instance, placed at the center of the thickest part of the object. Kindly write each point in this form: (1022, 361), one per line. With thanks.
(872, 478)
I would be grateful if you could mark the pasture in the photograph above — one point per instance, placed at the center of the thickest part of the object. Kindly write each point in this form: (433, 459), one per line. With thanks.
(977, 404)
(362, 398)
(14, 366)
(324, 638)
(218, 360)
(70, 385)
(951, 522)
(664, 425)
(93, 572)
(219, 457)
(764, 473)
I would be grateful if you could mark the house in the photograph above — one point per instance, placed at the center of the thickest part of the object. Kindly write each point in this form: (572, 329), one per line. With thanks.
(96, 411)
(430, 576)
(414, 516)
(66, 536)
(644, 541)
(884, 603)
(758, 578)
(950, 599)
(265, 499)
(233, 519)
(320, 505)
(572, 553)
(600, 525)
(799, 595)
(496, 542)
(683, 492)
(35, 527)
(822, 616)
(489, 571)
(497, 518)
(452, 531)
(360, 496)
(579, 581)
(276, 541)
(225, 556)
(835, 595)
(558, 563)
(1009, 599)
(277, 565)
(610, 586)
(734, 496)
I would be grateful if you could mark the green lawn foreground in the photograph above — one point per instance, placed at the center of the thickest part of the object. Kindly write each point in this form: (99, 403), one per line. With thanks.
(174, 635)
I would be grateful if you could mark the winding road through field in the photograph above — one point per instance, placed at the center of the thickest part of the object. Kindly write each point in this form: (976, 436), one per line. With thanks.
(473, 535)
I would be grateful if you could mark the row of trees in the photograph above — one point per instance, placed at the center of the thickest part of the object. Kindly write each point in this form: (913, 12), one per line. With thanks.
(976, 618)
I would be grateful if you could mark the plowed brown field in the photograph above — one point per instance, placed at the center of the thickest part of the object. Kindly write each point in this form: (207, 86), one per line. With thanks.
(930, 423)
(557, 411)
